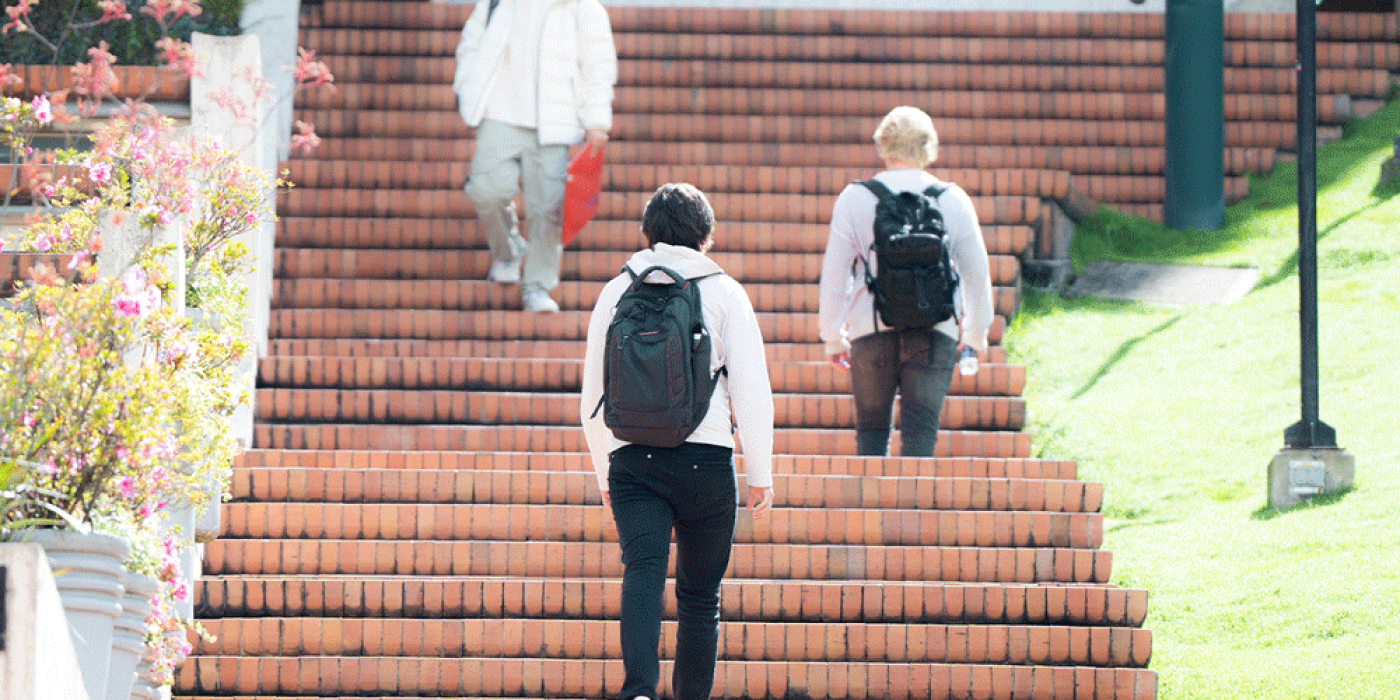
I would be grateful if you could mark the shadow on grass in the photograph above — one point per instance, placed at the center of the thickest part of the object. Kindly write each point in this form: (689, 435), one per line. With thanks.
(1122, 352)
(1289, 268)
(1327, 499)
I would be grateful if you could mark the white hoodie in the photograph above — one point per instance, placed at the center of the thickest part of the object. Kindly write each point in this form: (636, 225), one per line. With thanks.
(736, 345)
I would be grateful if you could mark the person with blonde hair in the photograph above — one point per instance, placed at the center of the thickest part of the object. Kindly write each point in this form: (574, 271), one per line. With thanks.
(914, 362)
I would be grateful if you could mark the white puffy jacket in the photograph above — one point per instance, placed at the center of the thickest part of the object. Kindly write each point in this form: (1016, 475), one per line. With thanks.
(577, 65)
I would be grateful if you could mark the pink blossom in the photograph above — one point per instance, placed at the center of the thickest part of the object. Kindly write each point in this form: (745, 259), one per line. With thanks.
(305, 138)
(309, 71)
(100, 172)
(180, 590)
(112, 10)
(178, 55)
(43, 243)
(166, 11)
(17, 15)
(127, 487)
(28, 420)
(48, 468)
(43, 111)
(77, 260)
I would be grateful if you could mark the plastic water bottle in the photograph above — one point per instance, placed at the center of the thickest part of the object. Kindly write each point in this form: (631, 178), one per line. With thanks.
(967, 361)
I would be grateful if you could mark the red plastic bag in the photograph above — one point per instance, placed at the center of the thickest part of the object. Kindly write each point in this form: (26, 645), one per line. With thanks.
(585, 182)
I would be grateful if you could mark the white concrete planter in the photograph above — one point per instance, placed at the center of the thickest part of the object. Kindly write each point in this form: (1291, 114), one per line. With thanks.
(129, 636)
(88, 570)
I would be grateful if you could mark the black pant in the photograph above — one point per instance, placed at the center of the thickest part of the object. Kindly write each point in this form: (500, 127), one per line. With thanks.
(692, 490)
(919, 365)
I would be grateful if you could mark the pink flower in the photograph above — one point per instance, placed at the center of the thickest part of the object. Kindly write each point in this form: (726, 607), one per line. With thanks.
(127, 487)
(77, 260)
(100, 172)
(180, 590)
(49, 468)
(112, 10)
(309, 71)
(28, 420)
(17, 15)
(305, 138)
(43, 111)
(178, 55)
(43, 243)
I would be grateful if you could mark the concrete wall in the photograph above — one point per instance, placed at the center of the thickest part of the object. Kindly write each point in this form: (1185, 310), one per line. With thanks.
(38, 662)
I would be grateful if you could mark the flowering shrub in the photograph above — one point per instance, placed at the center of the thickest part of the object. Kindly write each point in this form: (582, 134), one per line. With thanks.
(115, 406)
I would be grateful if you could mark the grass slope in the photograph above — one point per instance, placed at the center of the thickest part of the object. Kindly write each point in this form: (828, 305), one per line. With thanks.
(1179, 410)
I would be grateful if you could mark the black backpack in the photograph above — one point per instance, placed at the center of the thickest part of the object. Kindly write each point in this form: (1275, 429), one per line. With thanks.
(914, 281)
(656, 367)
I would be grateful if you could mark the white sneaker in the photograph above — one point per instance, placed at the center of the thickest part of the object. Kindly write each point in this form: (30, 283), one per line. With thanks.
(539, 302)
(504, 271)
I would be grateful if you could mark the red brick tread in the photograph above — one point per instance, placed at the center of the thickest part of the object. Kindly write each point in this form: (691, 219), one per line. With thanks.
(331, 487)
(1109, 104)
(1089, 159)
(352, 70)
(295, 465)
(458, 677)
(556, 409)
(496, 597)
(800, 525)
(1106, 25)
(463, 295)
(687, 44)
(513, 347)
(591, 559)
(525, 438)
(713, 179)
(430, 324)
(561, 375)
(739, 641)
(813, 130)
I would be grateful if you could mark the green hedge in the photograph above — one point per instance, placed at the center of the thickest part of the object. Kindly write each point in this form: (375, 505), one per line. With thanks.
(131, 42)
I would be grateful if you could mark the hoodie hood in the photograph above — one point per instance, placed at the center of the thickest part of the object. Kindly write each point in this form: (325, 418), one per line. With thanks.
(690, 263)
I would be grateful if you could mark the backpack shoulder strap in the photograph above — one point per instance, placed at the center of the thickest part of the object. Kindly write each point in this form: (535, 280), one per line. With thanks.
(935, 191)
(879, 189)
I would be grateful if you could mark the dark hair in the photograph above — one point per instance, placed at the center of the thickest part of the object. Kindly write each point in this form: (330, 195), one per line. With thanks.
(678, 214)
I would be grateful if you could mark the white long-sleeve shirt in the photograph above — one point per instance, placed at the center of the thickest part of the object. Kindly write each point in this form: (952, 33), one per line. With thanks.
(846, 308)
(736, 345)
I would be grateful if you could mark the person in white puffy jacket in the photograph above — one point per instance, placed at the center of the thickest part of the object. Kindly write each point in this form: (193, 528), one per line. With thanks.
(533, 78)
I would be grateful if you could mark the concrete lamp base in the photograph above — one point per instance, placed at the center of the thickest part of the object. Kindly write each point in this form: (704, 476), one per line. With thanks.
(1297, 474)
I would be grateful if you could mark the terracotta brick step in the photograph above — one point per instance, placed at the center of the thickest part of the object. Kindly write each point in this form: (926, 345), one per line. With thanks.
(329, 487)
(739, 641)
(486, 373)
(398, 175)
(522, 438)
(479, 523)
(601, 235)
(728, 206)
(1038, 50)
(856, 101)
(275, 677)
(1332, 26)
(465, 295)
(769, 600)
(500, 325)
(425, 407)
(593, 560)
(643, 71)
(513, 348)
(812, 130)
(293, 466)
(1107, 160)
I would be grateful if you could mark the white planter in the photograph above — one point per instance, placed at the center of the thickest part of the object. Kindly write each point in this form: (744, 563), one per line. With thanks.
(88, 570)
(129, 636)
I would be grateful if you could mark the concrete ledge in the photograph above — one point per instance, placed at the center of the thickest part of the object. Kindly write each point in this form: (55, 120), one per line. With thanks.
(1297, 474)
(38, 661)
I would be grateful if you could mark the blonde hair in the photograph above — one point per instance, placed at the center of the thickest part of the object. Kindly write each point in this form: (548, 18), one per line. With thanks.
(907, 133)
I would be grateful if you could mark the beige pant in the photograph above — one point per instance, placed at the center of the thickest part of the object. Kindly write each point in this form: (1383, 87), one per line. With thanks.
(509, 160)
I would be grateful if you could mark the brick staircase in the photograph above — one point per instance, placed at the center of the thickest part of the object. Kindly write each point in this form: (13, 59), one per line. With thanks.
(417, 517)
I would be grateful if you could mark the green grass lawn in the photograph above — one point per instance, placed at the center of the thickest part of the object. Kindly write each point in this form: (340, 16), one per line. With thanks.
(1178, 411)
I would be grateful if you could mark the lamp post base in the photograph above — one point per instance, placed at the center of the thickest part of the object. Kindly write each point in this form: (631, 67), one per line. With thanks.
(1297, 474)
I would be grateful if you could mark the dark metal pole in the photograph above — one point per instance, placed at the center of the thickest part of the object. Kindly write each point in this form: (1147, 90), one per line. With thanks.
(1310, 431)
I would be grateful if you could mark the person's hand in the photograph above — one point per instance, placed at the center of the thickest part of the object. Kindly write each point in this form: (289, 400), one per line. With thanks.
(760, 500)
(595, 138)
(841, 361)
(607, 499)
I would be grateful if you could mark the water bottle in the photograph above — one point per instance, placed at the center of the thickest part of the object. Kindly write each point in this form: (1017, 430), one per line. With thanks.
(967, 361)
